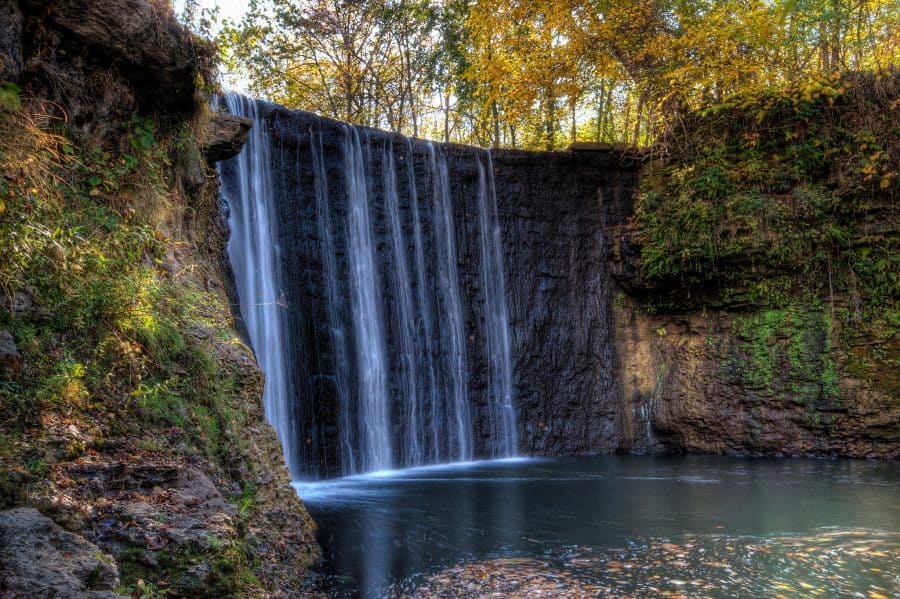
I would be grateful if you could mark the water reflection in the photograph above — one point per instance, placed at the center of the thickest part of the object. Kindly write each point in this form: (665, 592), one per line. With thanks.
(381, 528)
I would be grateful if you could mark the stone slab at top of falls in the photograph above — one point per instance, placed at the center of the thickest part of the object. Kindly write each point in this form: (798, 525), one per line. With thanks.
(551, 209)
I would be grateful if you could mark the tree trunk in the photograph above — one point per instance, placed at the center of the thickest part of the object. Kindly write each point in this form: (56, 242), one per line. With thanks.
(599, 134)
(824, 54)
(549, 119)
(642, 100)
(607, 114)
(447, 114)
(495, 115)
(574, 124)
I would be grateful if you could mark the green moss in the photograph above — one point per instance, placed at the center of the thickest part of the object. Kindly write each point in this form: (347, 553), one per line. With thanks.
(229, 561)
(759, 334)
(786, 354)
(771, 204)
(37, 466)
(774, 197)
(112, 332)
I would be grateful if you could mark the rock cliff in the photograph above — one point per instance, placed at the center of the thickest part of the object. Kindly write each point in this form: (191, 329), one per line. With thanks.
(551, 208)
(758, 311)
(130, 412)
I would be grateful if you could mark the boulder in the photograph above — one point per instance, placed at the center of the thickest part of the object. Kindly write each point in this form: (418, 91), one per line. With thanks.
(40, 559)
(10, 359)
(224, 136)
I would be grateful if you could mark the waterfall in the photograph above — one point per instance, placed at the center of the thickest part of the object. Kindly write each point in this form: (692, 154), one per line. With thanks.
(428, 376)
(389, 256)
(373, 407)
(336, 325)
(504, 437)
(254, 254)
(455, 416)
(407, 387)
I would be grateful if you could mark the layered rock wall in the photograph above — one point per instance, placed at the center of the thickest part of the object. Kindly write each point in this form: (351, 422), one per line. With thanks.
(742, 382)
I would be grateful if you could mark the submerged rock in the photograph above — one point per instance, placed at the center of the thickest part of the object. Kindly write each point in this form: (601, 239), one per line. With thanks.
(40, 559)
(831, 563)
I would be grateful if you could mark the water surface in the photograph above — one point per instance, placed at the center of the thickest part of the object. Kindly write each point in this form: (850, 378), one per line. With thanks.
(389, 531)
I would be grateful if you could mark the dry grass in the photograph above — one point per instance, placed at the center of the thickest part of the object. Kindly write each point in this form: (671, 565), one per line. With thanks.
(31, 156)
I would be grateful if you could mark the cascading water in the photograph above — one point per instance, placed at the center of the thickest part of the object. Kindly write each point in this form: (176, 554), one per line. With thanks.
(336, 325)
(382, 327)
(371, 362)
(455, 416)
(253, 252)
(503, 440)
(406, 386)
(428, 379)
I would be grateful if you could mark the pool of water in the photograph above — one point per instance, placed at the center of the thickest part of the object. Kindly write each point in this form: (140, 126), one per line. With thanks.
(627, 523)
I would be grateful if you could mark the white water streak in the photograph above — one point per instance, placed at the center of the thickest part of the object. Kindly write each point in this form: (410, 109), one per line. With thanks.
(459, 421)
(413, 442)
(504, 437)
(333, 304)
(253, 252)
(371, 363)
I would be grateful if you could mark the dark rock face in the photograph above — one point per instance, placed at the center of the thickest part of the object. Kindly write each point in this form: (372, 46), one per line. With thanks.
(94, 64)
(40, 559)
(10, 40)
(157, 55)
(551, 206)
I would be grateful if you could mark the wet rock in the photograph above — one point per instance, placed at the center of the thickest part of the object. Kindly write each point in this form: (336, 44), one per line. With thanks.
(40, 559)
(10, 359)
(552, 207)
(224, 136)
